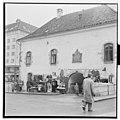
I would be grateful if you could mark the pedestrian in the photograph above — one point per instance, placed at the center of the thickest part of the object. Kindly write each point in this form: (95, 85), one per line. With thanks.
(76, 89)
(49, 86)
(28, 84)
(13, 86)
(21, 83)
(54, 85)
(88, 92)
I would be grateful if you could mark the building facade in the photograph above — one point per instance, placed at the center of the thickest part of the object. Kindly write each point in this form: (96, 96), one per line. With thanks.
(81, 41)
(13, 32)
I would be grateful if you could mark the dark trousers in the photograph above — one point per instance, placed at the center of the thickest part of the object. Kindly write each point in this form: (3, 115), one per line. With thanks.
(28, 89)
(53, 88)
(89, 105)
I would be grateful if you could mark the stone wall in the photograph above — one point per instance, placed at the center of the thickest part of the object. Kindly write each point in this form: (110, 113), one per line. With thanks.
(101, 89)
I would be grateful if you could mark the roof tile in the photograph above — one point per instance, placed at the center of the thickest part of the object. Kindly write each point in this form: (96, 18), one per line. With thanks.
(79, 20)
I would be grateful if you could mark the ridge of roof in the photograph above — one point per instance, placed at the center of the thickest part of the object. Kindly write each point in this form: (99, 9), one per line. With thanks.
(91, 17)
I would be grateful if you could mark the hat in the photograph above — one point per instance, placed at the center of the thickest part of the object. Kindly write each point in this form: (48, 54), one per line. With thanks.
(85, 75)
(90, 74)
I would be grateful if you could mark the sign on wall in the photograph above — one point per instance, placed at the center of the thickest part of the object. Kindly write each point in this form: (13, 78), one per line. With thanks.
(77, 57)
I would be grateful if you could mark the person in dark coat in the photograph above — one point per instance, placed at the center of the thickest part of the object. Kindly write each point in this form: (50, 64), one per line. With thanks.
(21, 83)
(28, 84)
(54, 85)
(88, 92)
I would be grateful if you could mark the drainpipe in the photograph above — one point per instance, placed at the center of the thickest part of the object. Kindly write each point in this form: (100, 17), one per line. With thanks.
(19, 43)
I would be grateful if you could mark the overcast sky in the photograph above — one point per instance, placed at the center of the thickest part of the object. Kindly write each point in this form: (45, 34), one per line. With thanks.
(39, 14)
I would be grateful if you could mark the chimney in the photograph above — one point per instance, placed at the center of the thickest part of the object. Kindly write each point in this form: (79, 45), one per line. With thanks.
(18, 20)
(59, 12)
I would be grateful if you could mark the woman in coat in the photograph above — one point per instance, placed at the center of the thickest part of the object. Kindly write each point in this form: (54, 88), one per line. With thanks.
(76, 89)
(88, 92)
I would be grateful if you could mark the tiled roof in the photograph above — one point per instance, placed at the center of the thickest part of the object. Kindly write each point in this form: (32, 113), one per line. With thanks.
(20, 25)
(79, 20)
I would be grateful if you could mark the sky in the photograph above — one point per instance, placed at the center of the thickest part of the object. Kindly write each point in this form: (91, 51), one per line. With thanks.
(39, 14)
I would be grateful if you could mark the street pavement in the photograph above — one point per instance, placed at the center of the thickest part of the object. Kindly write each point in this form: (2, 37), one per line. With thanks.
(55, 105)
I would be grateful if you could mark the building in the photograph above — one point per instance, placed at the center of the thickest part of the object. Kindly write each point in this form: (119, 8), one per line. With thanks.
(13, 32)
(82, 41)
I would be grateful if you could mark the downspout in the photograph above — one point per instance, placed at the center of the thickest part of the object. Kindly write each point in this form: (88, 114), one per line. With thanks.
(19, 43)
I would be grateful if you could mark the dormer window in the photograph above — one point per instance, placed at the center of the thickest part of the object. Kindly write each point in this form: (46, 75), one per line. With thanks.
(80, 15)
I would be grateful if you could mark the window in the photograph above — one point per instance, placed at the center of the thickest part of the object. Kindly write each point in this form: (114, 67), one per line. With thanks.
(12, 60)
(13, 53)
(108, 52)
(7, 69)
(8, 40)
(13, 40)
(12, 69)
(7, 60)
(53, 59)
(28, 58)
(7, 53)
(8, 47)
(13, 46)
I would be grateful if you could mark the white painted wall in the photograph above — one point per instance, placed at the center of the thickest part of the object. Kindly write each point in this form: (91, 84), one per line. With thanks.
(90, 43)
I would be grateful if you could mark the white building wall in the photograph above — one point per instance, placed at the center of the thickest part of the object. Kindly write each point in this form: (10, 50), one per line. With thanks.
(90, 43)
(16, 34)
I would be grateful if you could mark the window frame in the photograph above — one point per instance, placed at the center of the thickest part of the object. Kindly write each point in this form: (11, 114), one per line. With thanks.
(14, 40)
(13, 54)
(53, 57)
(28, 58)
(8, 40)
(108, 57)
(8, 47)
(7, 60)
(13, 46)
(12, 60)
(8, 54)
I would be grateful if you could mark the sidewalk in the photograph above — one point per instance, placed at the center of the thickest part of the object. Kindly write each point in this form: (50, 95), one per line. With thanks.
(96, 99)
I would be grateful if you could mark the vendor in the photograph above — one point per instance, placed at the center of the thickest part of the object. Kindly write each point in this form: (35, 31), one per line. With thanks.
(54, 85)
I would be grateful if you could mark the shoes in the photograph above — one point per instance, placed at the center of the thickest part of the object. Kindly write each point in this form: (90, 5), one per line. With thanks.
(90, 110)
(83, 108)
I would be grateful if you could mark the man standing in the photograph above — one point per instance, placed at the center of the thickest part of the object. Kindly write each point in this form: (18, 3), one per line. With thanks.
(88, 92)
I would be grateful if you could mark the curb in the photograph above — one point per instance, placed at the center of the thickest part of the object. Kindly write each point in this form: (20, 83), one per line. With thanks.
(33, 93)
(109, 97)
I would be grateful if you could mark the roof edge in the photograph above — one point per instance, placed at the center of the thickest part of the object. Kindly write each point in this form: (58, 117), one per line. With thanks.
(65, 32)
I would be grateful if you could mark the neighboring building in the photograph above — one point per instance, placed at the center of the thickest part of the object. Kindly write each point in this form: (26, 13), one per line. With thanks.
(80, 41)
(13, 32)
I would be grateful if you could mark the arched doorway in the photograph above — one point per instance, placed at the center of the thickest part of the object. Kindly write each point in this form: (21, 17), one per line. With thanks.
(73, 79)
